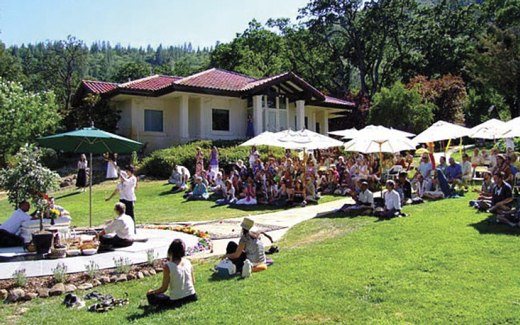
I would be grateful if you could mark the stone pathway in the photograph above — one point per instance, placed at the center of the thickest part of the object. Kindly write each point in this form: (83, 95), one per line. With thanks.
(159, 241)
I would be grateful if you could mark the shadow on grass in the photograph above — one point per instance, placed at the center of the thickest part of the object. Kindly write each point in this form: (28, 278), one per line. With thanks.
(67, 195)
(217, 278)
(488, 226)
(147, 311)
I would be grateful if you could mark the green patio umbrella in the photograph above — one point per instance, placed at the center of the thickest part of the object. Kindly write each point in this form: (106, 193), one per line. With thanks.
(92, 141)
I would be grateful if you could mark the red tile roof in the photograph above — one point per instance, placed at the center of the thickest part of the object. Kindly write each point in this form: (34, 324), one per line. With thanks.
(99, 86)
(212, 79)
(151, 83)
(217, 79)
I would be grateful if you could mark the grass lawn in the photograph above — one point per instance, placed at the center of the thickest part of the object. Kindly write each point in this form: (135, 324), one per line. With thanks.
(155, 203)
(444, 264)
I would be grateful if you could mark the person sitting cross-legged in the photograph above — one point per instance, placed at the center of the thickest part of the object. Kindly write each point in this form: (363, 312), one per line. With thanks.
(364, 202)
(502, 196)
(453, 173)
(392, 206)
(119, 232)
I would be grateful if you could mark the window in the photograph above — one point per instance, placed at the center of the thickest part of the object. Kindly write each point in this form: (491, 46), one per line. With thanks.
(153, 120)
(220, 118)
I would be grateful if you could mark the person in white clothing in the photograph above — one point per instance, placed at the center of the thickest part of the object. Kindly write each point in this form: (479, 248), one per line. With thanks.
(126, 189)
(178, 278)
(364, 202)
(120, 231)
(10, 229)
(392, 201)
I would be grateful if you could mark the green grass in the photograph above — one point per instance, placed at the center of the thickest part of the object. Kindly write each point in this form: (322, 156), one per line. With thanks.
(155, 203)
(443, 265)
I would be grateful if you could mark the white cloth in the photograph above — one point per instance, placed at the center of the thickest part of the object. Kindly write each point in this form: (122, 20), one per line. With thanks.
(82, 164)
(181, 283)
(111, 170)
(392, 200)
(467, 170)
(15, 221)
(127, 188)
(245, 201)
(123, 227)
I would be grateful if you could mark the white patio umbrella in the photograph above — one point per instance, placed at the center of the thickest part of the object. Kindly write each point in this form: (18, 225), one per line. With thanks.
(491, 129)
(345, 134)
(369, 146)
(305, 139)
(379, 133)
(511, 129)
(263, 139)
(441, 130)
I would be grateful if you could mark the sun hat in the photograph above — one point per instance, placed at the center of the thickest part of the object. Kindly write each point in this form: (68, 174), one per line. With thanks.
(247, 224)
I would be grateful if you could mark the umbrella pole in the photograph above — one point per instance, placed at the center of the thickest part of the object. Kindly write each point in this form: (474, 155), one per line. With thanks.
(90, 193)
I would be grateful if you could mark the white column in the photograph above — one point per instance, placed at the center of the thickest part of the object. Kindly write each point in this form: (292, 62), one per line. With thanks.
(184, 120)
(300, 114)
(312, 122)
(325, 125)
(258, 114)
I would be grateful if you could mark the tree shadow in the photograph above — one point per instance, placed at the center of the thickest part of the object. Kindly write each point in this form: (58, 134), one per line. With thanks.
(66, 195)
(489, 226)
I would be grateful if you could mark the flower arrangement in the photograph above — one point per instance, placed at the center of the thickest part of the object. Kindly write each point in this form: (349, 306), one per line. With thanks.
(54, 213)
(204, 243)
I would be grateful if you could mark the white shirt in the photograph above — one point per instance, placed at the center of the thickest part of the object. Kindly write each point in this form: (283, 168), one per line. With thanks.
(123, 227)
(15, 221)
(181, 283)
(392, 200)
(466, 168)
(127, 188)
(366, 197)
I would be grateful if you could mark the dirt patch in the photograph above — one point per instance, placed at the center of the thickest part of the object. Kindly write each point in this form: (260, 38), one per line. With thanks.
(312, 319)
(318, 237)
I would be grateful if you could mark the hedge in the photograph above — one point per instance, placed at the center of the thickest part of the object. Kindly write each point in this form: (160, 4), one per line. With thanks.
(160, 163)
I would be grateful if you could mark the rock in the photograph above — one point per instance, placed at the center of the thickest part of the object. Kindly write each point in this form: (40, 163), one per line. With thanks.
(131, 276)
(30, 296)
(158, 269)
(3, 294)
(152, 272)
(22, 311)
(122, 278)
(85, 286)
(146, 273)
(43, 292)
(96, 283)
(16, 295)
(57, 289)
(105, 279)
(70, 288)
(140, 275)
(113, 278)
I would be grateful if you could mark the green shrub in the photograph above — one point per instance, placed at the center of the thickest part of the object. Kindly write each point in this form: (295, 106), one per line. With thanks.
(161, 162)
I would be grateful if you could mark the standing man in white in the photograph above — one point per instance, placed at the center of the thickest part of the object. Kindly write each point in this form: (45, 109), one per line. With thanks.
(126, 189)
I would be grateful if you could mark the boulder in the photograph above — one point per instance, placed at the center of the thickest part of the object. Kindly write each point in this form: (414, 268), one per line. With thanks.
(3, 294)
(131, 276)
(113, 278)
(43, 292)
(146, 273)
(57, 289)
(152, 272)
(140, 275)
(16, 295)
(30, 296)
(158, 269)
(122, 278)
(96, 283)
(105, 279)
(70, 288)
(85, 286)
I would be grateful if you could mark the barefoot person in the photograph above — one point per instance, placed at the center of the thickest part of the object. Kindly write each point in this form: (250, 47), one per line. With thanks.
(178, 278)
(120, 231)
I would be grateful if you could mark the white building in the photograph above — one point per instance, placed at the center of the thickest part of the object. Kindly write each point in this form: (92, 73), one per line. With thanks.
(214, 104)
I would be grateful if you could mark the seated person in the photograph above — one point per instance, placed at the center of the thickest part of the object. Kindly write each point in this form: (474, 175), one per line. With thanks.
(310, 190)
(453, 173)
(250, 194)
(10, 229)
(502, 195)
(423, 185)
(179, 179)
(119, 232)
(404, 188)
(392, 206)
(178, 278)
(364, 202)
(467, 170)
(299, 193)
(200, 191)
(485, 194)
(229, 198)
(217, 185)
(250, 246)
(63, 213)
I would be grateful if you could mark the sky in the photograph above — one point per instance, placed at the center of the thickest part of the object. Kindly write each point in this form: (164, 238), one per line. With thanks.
(137, 22)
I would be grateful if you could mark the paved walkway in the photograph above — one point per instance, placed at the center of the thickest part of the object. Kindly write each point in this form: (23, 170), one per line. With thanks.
(159, 241)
